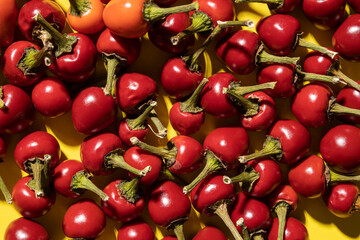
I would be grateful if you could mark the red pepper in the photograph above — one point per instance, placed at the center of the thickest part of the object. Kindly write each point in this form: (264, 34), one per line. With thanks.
(8, 19)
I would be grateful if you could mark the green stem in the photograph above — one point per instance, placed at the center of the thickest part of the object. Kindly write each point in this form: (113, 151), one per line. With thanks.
(191, 104)
(139, 121)
(222, 212)
(5, 191)
(339, 109)
(192, 60)
(244, 229)
(348, 81)
(305, 76)
(79, 7)
(200, 22)
(115, 160)
(263, 57)
(113, 64)
(40, 170)
(179, 231)
(336, 177)
(81, 180)
(32, 59)
(281, 209)
(168, 153)
(129, 190)
(213, 163)
(63, 42)
(315, 47)
(251, 106)
(161, 129)
(152, 12)
(243, 90)
(246, 179)
(271, 148)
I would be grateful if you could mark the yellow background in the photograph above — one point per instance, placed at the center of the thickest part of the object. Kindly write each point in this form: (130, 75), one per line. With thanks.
(321, 224)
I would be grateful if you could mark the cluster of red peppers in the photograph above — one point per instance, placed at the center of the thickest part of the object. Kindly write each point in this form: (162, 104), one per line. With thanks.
(52, 72)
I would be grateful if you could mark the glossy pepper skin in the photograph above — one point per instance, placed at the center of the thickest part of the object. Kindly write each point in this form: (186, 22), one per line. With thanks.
(286, 30)
(255, 213)
(218, 10)
(93, 110)
(283, 193)
(266, 115)
(133, 27)
(339, 149)
(168, 203)
(345, 38)
(51, 97)
(93, 150)
(92, 221)
(140, 159)
(227, 143)
(283, 75)
(19, 112)
(27, 204)
(27, 229)
(12, 57)
(126, 133)
(37, 144)
(117, 207)
(294, 229)
(189, 155)
(210, 232)
(50, 10)
(294, 137)
(269, 177)
(349, 97)
(178, 80)
(287, 6)
(66, 180)
(238, 51)
(87, 20)
(324, 15)
(161, 33)
(307, 177)
(185, 123)
(8, 22)
(127, 49)
(62, 177)
(135, 230)
(132, 19)
(134, 89)
(319, 63)
(310, 104)
(79, 65)
(213, 100)
(209, 191)
(342, 199)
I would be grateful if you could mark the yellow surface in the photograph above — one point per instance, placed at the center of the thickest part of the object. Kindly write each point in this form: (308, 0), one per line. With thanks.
(321, 224)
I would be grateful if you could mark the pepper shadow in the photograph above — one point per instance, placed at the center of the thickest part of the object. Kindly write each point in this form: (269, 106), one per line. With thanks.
(318, 210)
(323, 37)
(255, 10)
(64, 130)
